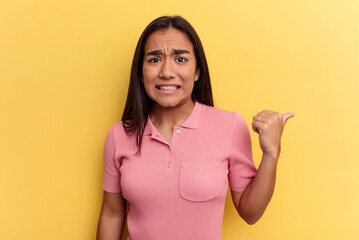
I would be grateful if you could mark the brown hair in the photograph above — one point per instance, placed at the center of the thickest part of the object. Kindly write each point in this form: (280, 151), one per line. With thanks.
(138, 104)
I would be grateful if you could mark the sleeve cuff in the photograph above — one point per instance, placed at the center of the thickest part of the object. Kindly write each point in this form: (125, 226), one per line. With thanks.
(111, 183)
(238, 183)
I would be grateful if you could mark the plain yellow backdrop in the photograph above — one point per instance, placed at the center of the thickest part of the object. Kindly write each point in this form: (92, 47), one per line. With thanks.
(64, 70)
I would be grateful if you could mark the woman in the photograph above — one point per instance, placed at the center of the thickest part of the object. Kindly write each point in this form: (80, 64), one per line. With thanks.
(174, 155)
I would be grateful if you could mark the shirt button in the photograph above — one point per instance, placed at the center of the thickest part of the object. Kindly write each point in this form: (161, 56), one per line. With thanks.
(169, 164)
(178, 132)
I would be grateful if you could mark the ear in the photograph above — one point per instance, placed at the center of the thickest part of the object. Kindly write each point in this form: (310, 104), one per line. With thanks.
(196, 74)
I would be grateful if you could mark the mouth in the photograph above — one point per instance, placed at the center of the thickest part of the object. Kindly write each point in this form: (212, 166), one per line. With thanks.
(167, 87)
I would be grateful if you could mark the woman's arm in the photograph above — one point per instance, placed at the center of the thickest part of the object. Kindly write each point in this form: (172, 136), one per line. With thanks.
(112, 217)
(252, 203)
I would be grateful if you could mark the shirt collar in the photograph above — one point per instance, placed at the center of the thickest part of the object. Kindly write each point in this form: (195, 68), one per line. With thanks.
(191, 122)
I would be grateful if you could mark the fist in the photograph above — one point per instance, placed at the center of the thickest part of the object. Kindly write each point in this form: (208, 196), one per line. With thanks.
(269, 125)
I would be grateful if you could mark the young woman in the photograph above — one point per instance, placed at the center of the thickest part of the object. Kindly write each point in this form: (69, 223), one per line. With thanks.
(173, 155)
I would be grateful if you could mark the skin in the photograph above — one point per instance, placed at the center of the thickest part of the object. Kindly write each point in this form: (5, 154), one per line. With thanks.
(252, 203)
(112, 217)
(170, 61)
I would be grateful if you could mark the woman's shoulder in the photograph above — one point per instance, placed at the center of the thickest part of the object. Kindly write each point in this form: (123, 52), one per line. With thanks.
(219, 117)
(119, 133)
(118, 127)
(219, 114)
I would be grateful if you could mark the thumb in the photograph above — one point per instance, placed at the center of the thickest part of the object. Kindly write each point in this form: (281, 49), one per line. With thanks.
(286, 116)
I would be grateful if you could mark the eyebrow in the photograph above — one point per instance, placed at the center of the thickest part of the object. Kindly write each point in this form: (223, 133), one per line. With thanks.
(160, 52)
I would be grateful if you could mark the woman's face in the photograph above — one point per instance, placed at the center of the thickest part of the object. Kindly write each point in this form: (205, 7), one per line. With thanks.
(169, 68)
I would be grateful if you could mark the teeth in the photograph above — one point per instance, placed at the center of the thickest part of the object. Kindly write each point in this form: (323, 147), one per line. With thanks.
(168, 88)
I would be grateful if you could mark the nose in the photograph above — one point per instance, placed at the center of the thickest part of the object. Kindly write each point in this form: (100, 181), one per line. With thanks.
(167, 70)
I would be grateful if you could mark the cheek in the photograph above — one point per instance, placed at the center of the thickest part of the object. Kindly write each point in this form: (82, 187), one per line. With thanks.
(148, 74)
(190, 76)
(147, 86)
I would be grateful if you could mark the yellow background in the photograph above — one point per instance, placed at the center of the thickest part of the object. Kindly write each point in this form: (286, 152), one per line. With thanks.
(64, 70)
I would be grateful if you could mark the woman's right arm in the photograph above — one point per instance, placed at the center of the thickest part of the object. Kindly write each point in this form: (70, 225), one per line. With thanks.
(112, 217)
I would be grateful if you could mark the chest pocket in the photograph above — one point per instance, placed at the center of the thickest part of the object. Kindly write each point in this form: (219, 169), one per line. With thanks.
(200, 183)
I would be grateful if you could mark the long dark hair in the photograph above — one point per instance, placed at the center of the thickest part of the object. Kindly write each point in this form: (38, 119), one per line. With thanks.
(139, 104)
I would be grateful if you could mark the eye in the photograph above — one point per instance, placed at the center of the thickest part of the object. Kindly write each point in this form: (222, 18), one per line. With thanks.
(154, 60)
(181, 59)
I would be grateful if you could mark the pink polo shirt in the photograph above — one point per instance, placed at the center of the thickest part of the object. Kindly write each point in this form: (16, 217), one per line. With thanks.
(177, 190)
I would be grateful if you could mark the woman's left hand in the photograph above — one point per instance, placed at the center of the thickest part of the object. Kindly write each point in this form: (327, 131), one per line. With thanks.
(252, 203)
(269, 125)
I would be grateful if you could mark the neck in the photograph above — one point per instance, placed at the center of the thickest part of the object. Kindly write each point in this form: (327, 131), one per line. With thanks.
(169, 117)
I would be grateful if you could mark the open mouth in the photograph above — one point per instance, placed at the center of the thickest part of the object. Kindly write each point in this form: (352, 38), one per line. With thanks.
(168, 88)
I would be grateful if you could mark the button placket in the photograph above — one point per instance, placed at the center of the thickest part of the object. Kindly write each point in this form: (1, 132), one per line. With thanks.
(169, 161)
(170, 164)
(177, 133)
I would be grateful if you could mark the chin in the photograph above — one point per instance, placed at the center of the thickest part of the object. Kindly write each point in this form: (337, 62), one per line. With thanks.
(170, 101)
(167, 104)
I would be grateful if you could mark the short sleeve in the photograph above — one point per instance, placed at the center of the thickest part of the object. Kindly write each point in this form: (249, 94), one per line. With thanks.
(241, 166)
(111, 175)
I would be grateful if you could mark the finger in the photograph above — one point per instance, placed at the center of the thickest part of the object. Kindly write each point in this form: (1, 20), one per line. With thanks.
(261, 118)
(273, 117)
(254, 127)
(266, 113)
(257, 126)
(286, 116)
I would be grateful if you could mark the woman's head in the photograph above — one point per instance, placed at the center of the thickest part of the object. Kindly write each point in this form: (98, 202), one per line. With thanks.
(139, 104)
(169, 69)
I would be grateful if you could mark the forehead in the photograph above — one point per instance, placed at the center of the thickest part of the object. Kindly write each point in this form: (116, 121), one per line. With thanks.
(168, 39)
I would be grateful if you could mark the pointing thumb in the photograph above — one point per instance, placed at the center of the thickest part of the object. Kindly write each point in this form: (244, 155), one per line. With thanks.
(286, 116)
